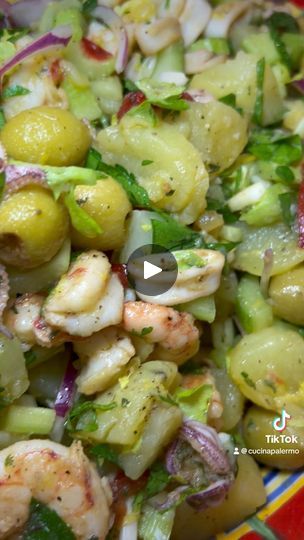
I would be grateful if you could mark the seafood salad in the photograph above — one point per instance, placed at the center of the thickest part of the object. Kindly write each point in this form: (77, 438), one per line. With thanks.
(127, 414)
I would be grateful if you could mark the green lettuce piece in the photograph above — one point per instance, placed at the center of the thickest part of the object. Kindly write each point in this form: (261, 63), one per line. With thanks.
(164, 95)
(194, 402)
(155, 525)
(82, 102)
(268, 210)
(80, 219)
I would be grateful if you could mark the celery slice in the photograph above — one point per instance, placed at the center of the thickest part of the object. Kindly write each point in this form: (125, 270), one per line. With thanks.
(20, 419)
(251, 307)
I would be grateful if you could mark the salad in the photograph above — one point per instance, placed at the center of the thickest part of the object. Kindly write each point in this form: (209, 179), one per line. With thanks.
(176, 123)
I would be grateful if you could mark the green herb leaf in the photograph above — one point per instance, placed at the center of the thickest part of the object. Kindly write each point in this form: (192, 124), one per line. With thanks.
(248, 380)
(230, 100)
(138, 195)
(280, 46)
(288, 206)
(163, 95)
(259, 102)
(30, 357)
(45, 524)
(93, 159)
(275, 146)
(285, 173)
(104, 451)
(173, 236)
(80, 219)
(146, 162)
(2, 118)
(88, 6)
(15, 90)
(262, 529)
(283, 22)
(159, 478)
(83, 417)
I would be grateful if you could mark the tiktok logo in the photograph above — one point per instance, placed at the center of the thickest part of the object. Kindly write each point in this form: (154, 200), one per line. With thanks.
(280, 423)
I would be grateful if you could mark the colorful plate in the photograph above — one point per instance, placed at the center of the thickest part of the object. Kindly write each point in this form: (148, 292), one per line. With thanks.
(283, 511)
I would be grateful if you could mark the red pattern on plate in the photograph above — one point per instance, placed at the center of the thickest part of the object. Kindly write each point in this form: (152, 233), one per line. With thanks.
(287, 522)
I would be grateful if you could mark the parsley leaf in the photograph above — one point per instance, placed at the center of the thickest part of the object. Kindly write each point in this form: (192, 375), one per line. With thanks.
(104, 451)
(144, 332)
(230, 100)
(45, 523)
(146, 162)
(15, 90)
(83, 417)
(275, 146)
(285, 173)
(173, 235)
(30, 357)
(288, 206)
(2, 118)
(88, 6)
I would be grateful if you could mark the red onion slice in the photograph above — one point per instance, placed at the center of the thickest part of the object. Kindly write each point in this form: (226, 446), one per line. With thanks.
(59, 37)
(298, 86)
(111, 19)
(66, 391)
(22, 181)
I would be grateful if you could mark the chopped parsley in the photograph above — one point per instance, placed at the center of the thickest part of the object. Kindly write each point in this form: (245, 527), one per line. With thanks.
(44, 523)
(248, 380)
(104, 451)
(83, 416)
(15, 90)
(259, 102)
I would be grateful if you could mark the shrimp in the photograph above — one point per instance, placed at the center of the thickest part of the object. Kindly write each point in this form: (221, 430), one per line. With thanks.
(87, 299)
(60, 477)
(23, 318)
(199, 274)
(175, 333)
(103, 356)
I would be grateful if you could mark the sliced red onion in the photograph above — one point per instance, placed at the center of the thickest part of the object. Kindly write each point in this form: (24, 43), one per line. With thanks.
(26, 12)
(3, 158)
(66, 391)
(14, 172)
(59, 37)
(111, 19)
(213, 495)
(298, 86)
(199, 96)
(206, 442)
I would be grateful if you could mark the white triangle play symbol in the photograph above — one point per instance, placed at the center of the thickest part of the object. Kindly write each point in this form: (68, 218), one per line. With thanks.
(150, 270)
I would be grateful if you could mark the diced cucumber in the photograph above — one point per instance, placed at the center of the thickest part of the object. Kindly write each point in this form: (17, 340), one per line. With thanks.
(251, 307)
(262, 45)
(216, 45)
(108, 92)
(82, 102)
(94, 69)
(35, 420)
(203, 309)
(231, 234)
(13, 375)
(170, 59)
(295, 47)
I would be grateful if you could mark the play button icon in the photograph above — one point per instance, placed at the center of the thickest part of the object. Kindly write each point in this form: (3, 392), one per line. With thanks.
(152, 270)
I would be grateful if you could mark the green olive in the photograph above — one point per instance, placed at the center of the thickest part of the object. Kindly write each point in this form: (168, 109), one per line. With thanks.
(259, 434)
(287, 294)
(46, 135)
(268, 368)
(109, 205)
(33, 227)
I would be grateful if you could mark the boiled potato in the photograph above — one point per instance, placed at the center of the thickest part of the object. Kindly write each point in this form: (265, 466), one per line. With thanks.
(176, 179)
(268, 368)
(46, 135)
(257, 428)
(33, 227)
(245, 496)
(287, 294)
(232, 399)
(14, 379)
(134, 400)
(217, 131)
(162, 425)
(109, 205)
(283, 242)
(238, 76)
